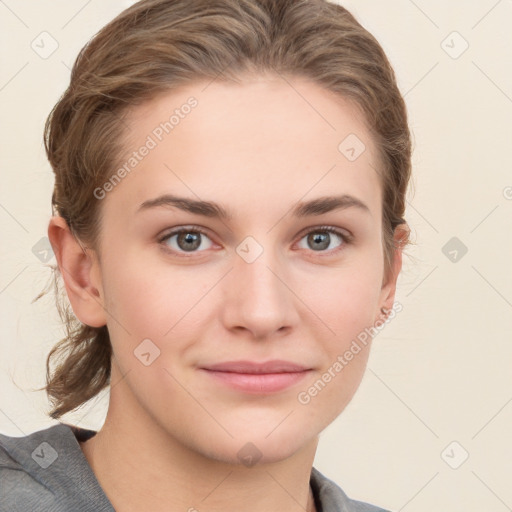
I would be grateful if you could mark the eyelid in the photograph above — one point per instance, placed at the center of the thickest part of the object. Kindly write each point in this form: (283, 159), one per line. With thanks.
(185, 227)
(346, 235)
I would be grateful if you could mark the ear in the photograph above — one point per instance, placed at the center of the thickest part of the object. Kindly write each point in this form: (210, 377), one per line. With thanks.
(387, 296)
(81, 274)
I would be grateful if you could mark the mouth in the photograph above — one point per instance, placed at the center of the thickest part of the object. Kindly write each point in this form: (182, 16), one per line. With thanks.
(257, 378)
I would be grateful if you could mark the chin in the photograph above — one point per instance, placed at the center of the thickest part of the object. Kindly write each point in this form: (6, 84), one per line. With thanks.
(251, 448)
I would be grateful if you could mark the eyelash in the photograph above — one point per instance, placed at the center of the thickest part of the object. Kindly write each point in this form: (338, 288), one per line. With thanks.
(345, 237)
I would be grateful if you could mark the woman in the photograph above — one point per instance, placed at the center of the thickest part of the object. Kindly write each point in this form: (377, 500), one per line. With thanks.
(230, 182)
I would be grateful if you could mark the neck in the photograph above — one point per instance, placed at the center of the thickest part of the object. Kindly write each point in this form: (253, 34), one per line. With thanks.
(140, 466)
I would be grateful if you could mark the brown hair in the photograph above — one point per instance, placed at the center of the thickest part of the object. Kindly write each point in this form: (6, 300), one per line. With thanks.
(156, 46)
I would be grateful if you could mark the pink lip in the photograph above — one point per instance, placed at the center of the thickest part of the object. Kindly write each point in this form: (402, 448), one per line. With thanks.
(257, 378)
(275, 366)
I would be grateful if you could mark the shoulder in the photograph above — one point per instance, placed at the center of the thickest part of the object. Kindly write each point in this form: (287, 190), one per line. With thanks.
(333, 499)
(19, 459)
(46, 470)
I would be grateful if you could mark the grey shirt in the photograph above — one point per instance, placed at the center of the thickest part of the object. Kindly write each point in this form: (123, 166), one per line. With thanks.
(46, 471)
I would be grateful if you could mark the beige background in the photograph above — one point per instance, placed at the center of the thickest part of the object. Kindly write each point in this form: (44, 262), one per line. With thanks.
(442, 370)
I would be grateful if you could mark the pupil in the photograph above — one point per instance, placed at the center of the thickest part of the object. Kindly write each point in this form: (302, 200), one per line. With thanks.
(191, 241)
(324, 237)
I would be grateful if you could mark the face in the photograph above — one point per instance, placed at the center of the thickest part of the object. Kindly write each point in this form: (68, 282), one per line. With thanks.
(269, 272)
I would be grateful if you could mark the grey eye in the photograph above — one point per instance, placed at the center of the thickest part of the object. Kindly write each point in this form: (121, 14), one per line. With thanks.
(320, 240)
(187, 240)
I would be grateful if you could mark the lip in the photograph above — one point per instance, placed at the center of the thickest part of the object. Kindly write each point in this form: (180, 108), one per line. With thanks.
(257, 378)
(274, 366)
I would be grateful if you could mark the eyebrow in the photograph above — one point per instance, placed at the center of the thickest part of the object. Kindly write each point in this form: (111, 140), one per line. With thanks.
(317, 206)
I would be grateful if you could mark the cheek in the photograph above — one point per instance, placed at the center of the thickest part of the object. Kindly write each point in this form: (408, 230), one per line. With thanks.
(348, 307)
(155, 303)
(325, 396)
(344, 298)
(151, 299)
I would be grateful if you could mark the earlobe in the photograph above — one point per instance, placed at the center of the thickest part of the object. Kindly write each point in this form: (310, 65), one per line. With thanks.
(80, 272)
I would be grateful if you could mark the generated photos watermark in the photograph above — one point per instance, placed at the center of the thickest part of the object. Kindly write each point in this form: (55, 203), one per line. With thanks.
(152, 140)
(304, 397)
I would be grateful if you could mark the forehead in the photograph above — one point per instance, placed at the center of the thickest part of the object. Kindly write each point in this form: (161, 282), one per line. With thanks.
(269, 139)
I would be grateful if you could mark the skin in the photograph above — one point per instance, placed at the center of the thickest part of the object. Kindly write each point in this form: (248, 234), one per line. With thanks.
(172, 433)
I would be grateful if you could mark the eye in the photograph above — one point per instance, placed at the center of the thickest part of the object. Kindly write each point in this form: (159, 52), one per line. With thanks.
(193, 239)
(320, 238)
(188, 239)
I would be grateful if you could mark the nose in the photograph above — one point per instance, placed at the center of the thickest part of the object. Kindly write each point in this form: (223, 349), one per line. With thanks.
(259, 298)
